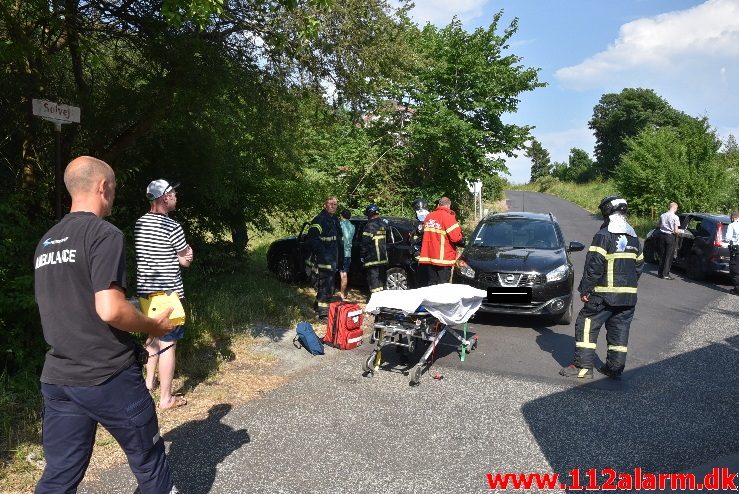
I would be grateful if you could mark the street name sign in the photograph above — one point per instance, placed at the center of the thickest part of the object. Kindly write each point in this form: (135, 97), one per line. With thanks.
(55, 112)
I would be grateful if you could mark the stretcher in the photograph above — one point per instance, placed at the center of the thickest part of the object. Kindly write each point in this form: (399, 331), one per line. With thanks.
(404, 319)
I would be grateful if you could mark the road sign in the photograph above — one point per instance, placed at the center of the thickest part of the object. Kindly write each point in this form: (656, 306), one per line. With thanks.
(55, 112)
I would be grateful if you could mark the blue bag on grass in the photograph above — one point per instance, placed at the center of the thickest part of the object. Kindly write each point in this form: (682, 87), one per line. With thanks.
(307, 338)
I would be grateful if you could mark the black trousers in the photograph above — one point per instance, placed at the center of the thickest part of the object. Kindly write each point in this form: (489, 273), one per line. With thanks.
(667, 252)
(325, 290)
(734, 265)
(436, 275)
(374, 278)
(592, 316)
(124, 407)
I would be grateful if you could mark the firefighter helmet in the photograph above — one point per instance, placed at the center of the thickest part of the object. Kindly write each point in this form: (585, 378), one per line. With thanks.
(371, 209)
(419, 204)
(613, 204)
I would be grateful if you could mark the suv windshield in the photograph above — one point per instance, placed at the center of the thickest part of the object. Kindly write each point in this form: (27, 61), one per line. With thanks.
(517, 233)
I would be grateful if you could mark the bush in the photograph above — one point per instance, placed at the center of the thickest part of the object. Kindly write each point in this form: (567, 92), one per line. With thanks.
(669, 164)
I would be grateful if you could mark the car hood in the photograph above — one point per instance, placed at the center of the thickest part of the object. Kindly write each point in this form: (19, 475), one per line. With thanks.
(508, 259)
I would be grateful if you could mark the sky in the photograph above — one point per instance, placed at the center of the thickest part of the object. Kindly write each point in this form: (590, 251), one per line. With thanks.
(687, 51)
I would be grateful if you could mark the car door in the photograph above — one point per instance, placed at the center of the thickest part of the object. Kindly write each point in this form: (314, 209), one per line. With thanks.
(690, 224)
(303, 247)
(357, 275)
(394, 243)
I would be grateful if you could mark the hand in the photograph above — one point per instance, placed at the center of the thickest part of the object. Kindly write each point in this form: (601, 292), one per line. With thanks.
(164, 324)
(584, 297)
(189, 255)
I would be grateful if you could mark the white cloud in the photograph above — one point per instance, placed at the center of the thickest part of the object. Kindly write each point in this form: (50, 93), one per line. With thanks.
(667, 44)
(440, 12)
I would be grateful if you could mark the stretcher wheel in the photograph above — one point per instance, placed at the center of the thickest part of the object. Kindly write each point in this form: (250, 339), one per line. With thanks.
(416, 375)
(473, 343)
(368, 365)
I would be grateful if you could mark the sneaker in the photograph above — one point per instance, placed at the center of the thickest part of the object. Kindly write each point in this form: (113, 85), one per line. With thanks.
(603, 369)
(573, 371)
(667, 278)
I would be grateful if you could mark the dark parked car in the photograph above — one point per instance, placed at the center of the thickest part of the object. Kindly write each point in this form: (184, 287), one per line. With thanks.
(286, 257)
(699, 249)
(523, 262)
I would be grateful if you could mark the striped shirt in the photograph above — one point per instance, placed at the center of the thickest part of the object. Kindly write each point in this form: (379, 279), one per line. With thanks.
(158, 238)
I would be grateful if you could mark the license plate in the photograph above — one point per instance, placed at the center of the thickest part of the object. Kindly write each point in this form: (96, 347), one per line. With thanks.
(509, 295)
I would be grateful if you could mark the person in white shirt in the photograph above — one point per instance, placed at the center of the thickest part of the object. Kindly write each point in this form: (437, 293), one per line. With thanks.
(669, 225)
(732, 238)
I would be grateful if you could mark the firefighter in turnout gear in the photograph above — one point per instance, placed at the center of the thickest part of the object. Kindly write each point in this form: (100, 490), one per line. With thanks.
(608, 290)
(441, 236)
(327, 253)
(373, 248)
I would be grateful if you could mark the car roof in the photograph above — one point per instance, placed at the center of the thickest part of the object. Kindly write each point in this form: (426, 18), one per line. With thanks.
(393, 220)
(520, 215)
(724, 218)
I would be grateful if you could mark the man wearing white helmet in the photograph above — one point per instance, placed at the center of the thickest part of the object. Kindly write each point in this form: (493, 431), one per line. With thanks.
(608, 290)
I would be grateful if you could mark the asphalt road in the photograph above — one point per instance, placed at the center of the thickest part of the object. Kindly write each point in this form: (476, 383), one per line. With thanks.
(503, 410)
(523, 345)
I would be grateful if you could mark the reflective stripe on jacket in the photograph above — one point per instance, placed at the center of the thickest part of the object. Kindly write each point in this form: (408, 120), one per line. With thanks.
(325, 240)
(612, 268)
(373, 247)
(440, 234)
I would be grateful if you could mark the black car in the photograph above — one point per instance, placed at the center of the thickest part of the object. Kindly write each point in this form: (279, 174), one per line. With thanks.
(700, 247)
(523, 262)
(286, 257)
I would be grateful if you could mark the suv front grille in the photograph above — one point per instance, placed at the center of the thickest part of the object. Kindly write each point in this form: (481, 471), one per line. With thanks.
(511, 279)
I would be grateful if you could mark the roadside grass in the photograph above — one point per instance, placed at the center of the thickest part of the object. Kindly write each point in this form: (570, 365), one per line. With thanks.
(230, 300)
(588, 196)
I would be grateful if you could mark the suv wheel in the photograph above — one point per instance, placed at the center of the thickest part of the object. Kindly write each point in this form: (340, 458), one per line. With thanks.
(696, 269)
(396, 279)
(284, 268)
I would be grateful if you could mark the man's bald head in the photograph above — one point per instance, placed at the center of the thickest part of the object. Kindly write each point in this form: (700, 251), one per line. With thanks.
(445, 201)
(83, 175)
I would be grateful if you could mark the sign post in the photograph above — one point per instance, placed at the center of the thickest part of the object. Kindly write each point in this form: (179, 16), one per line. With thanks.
(476, 190)
(59, 115)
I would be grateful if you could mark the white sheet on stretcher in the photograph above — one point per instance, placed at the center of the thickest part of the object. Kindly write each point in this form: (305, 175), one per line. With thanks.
(449, 303)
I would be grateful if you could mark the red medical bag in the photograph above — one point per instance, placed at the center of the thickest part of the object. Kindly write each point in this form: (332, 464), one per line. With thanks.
(344, 328)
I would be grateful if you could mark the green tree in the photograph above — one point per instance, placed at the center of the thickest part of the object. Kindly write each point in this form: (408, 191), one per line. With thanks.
(618, 117)
(560, 170)
(580, 167)
(540, 162)
(672, 163)
(464, 84)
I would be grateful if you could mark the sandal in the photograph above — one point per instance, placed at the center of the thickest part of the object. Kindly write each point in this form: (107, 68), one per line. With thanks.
(177, 401)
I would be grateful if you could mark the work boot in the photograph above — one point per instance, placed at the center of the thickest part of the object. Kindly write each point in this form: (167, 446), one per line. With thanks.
(573, 371)
(606, 371)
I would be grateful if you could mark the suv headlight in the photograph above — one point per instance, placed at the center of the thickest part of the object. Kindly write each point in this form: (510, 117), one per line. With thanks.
(558, 274)
(465, 269)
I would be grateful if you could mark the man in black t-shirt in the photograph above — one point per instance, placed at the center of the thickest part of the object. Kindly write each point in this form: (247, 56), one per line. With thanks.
(91, 374)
